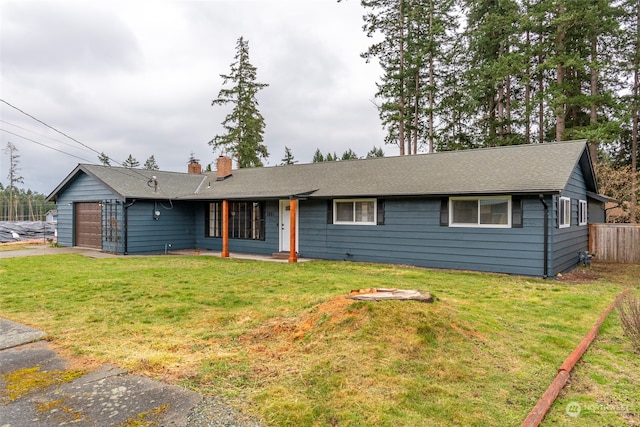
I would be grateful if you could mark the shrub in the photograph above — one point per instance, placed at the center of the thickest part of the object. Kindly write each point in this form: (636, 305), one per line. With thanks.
(629, 311)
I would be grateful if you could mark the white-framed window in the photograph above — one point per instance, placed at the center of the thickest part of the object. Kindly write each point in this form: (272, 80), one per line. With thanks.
(564, 212)
(486, 211)
(582, 212)
(355, 211)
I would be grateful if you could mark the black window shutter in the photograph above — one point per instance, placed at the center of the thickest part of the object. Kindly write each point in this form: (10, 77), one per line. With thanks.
(444, 212)
(329, 211)
(516, 212)
(380, 213)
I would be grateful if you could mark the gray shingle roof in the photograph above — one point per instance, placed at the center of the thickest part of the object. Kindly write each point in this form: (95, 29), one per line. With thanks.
(135, 183)
(510, 169)
(534, 168)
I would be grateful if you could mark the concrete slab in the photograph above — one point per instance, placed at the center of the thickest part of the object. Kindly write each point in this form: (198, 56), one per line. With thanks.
(108, 396)
(13, 334)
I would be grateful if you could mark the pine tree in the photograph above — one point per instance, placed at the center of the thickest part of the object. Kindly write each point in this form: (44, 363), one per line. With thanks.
(104, 159)
(375, 152)
(349, 155)
(244, 125)
(635, 114)
(151, 164)
(411, 54)
(288, 157)
(130, 162)
(317, 156)
(14, 179)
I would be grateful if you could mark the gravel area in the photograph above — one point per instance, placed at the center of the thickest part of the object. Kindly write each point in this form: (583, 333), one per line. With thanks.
(215, 412)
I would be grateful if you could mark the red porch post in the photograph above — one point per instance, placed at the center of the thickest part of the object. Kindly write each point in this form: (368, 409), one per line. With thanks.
(293, 204)
(225, 229)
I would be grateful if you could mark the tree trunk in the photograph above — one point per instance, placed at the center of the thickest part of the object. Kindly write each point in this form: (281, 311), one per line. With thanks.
(402, 91)
(635, 113)
(541, 102)
(431, 78)
(593, 118)
(560, 106)
(560, 102)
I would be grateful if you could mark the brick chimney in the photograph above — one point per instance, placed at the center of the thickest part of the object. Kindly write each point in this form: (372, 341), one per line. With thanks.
(224, 167)
(194, 167)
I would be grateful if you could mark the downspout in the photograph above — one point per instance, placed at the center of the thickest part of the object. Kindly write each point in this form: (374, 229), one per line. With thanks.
(545, 239)
(126, 226)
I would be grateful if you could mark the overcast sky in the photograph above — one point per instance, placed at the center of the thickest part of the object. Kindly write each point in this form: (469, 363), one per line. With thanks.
(138, 77)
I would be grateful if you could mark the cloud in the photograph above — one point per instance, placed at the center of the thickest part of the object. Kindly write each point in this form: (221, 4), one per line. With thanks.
(56, 38)
(138, 77)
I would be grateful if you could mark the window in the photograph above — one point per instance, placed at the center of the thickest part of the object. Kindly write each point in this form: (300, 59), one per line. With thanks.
(480, 212)
(213, 220)
(564, 212)
(358, 211)
(246, 220)
(582, 212)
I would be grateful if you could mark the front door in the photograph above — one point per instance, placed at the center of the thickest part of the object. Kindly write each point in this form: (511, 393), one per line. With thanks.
(285, 226)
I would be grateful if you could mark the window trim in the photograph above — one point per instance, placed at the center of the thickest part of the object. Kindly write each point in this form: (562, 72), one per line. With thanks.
(354, 201)
(508, 199)
(564, 212)
(583, 215)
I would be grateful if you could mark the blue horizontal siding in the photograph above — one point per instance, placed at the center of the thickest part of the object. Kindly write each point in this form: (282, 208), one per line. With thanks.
(175, 226)
(568, 241)
(412, 235)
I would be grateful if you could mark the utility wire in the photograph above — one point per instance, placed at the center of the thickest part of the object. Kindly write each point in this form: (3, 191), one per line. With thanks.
(64, 134)
(39, 134)
(50, 127)
(45, 145)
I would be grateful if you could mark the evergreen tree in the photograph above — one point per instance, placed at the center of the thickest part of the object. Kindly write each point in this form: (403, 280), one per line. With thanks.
(130, 162)
(104, 159)
(375, 152)
(14, 179)
(349, 155)
(635, 110)
(288, 157)
(317, 156)
(151, 164)
(244, 125)
(412, 55)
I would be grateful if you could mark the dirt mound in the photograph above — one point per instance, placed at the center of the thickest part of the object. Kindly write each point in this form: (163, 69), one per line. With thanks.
(331, 312)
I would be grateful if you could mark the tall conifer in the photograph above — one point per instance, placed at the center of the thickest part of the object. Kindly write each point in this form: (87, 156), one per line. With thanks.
(245, 124)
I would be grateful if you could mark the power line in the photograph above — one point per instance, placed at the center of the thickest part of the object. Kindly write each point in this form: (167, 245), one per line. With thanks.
(45, 145)
(50, 127)
(71, 138)
(39, 134)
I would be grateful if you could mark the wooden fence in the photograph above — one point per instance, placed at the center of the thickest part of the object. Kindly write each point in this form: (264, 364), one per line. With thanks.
(615, 242)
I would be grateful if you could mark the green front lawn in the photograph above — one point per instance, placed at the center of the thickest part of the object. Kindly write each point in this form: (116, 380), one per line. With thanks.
(281, 342)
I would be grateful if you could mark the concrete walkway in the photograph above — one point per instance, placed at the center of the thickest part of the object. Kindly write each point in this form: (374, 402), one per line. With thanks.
(36, 389)
(35, 250)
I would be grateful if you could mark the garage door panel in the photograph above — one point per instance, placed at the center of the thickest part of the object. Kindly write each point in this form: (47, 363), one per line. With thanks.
(88, 224)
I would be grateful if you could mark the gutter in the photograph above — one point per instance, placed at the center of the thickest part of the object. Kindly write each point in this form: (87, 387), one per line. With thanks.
(545, 249)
